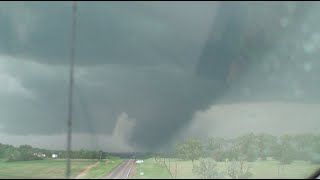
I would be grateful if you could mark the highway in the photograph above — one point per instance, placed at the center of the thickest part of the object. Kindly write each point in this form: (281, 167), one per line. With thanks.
(122, 171)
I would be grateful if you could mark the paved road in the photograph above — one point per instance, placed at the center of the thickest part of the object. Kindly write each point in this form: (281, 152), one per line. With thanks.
(122, 171)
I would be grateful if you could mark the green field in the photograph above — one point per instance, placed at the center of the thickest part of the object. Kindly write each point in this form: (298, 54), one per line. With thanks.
(259, 169)
(151, 170)
(41, 169)
(102, 169)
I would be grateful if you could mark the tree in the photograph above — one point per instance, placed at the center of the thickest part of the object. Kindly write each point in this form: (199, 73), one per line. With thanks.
(207, 169)
(22, 153)
(304, 141)
(264, 143)
(101, 155)
(214, 148)
(210, 146)
(270, 142)
(27, 153)
(220, 155)
(284, 151)
(246, 146)
(214, 143)
(304, 145)
(13, 155)
(234, 151)
(192, 149)
(239, 170)
(5, 150)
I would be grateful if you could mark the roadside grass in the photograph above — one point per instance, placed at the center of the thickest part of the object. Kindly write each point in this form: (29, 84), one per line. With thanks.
(259, 169)
(41, 169)
(296, 170)
(102, 169)
(151, 170)
(184, 168)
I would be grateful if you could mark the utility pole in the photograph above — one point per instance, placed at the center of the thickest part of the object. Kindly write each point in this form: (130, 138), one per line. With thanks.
(72, 55)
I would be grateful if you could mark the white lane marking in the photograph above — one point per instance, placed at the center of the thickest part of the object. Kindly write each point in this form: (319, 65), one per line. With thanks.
(129, 170)
(120, 173)
(116, 169)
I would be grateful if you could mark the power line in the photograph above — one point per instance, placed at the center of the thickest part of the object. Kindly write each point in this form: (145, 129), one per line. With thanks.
(70, 97)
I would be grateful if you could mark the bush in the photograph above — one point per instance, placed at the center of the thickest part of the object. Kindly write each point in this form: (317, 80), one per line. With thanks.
(207, 169)
(239, 170)
(16, 155)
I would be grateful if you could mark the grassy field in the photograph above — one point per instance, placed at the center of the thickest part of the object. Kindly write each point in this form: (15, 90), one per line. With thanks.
(41, 169)
(102, 169)
(151, 170)
(260, 169)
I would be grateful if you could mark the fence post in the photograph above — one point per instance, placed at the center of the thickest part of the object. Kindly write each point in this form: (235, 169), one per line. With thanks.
(176, 170)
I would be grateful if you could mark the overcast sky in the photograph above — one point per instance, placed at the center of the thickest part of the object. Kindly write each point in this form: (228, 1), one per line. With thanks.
(145, 70)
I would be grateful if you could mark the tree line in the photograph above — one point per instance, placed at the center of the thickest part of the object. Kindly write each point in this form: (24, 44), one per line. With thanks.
(27, 153)
(251, 147)
(246, 148)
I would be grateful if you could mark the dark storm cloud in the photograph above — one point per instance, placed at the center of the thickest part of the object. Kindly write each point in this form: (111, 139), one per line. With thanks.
(111, 33)
(158, 62)
(119, 33)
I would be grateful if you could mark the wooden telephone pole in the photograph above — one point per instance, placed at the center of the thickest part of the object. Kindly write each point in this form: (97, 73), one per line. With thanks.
(71, 81)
